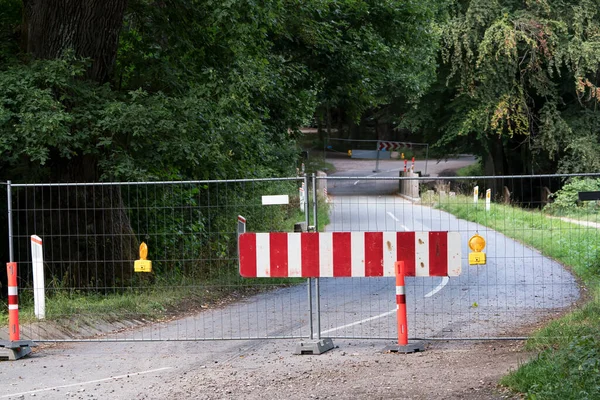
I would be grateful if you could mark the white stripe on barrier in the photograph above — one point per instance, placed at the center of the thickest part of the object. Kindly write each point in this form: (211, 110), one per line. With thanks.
(13, 290)
(400, 290)
(294, 256)
(454, 254)
(263, 256)
(422, 253)
(13, 306)
(389, 253)
(357, 249)
(326, 253)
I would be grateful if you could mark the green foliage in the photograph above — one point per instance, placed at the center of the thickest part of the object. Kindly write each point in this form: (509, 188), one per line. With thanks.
(49, 114)
(572, 372)
(567, 198)
(520, 79)
(471, 170)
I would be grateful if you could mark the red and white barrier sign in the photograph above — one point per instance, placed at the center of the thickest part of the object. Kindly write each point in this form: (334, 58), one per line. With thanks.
(349, 254)
(389, 146)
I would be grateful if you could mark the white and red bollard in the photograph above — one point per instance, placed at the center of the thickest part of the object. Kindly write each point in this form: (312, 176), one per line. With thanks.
(401, 303)
(403, 346)
(405, 164)
(14, 348)
(13, 302)
(412, 165)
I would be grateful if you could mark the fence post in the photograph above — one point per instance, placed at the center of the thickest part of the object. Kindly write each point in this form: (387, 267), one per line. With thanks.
(11, 253)
(377, 162)
(317, 288)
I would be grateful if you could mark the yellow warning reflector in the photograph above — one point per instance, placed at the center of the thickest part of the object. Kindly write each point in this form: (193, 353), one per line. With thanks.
(477, 258)
(143, 265)
(477, 244)
(349, 153)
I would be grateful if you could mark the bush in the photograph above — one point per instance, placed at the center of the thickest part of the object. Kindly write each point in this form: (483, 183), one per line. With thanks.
(567, 198)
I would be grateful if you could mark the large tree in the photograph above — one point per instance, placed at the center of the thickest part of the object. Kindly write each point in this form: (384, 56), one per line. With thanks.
(519, 85)
(89, 28)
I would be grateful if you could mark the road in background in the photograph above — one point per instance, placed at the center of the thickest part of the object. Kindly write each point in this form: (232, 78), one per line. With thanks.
(348, 167)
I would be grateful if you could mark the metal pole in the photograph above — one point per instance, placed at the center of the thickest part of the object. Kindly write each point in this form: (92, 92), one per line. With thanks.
(309, 281)
(318, 292)
(11, 254)
(318, 305)
(426, 159)
(306, 213)
(310, 310)
(315, 197)
(377, 162)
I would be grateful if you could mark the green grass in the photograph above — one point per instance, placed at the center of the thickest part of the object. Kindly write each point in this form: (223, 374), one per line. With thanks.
(568, 363)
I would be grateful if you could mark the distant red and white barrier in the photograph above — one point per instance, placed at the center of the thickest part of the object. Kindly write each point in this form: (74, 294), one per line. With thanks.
(389, 146)
(349, 254)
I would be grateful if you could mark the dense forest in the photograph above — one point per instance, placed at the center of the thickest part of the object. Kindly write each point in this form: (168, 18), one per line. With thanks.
(142, 90)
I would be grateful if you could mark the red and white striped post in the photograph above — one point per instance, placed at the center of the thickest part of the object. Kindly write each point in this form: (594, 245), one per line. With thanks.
(401, 302)
(13, 302)
(405, 164)
(412, 165)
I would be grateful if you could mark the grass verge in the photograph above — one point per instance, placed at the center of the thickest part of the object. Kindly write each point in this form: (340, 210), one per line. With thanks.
(568, 363)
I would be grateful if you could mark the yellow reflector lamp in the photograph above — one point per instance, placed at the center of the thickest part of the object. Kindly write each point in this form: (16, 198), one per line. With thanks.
(143, 265)
(477, 244)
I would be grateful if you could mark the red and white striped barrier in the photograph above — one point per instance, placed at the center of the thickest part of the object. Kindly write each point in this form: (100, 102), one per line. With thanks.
(349, 254)
(393, 145)
(13, 302)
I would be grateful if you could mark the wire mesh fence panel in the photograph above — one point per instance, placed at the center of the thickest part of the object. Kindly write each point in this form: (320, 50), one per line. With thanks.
(515, 290)
(539, 237)
(91, 238)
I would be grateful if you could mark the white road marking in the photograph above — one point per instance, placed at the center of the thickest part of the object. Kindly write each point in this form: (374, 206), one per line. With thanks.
(392, 216)
(86, 383)
(439, 287)
(360, 322)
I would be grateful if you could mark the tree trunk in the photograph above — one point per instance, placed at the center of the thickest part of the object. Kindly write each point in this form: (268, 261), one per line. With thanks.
(90, 28)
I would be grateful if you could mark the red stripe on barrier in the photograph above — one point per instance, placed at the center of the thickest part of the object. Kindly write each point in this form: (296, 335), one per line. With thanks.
(37, 241)
(248, 255)
(405, 244)
(13, 300)
(400, 299)
(342, 254)
(279, 254)
(438, 254)
(373, 253)
(310, 254)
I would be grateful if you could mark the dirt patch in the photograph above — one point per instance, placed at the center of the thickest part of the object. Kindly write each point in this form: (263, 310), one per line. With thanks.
(445, 370)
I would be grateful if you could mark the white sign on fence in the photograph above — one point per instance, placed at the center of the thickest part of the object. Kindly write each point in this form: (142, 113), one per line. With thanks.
(277, 199)
(37, 260)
